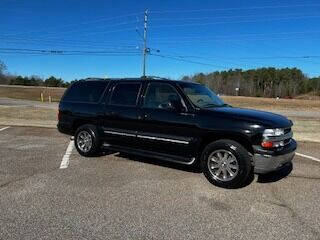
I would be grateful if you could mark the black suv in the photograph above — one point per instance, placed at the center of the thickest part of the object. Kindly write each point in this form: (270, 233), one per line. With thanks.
(175, 121)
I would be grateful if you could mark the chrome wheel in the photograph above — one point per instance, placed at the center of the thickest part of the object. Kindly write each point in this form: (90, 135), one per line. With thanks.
(84, 141)
(223, 165)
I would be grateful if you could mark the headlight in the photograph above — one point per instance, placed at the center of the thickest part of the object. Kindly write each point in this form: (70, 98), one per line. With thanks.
(273, 132)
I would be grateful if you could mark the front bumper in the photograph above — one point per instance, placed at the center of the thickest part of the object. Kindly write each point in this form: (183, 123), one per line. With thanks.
(269, 161)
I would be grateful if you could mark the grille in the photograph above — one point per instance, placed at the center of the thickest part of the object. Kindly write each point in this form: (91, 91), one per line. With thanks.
(286, 138)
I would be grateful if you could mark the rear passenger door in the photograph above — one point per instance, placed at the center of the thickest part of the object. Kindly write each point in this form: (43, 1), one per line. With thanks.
(120, 120)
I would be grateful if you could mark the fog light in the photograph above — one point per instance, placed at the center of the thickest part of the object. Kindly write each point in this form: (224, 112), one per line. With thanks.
(278, 144)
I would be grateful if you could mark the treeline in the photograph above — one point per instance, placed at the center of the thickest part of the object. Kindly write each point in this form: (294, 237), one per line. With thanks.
(33, 81)
(261, 82)
(8, 79)
(36, 81)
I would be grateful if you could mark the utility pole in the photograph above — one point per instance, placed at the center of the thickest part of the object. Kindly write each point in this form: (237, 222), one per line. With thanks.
(145, 49)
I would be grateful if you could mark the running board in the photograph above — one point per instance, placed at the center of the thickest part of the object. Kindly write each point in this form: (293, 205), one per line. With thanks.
(150, 154)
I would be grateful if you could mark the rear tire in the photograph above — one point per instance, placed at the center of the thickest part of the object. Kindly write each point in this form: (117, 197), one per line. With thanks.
(87, 141)
(226, 163)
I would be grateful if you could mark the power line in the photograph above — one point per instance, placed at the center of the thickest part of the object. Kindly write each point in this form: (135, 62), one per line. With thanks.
(104, 32)
(228, 16)
(45, 51)
(236, 36)
(209, 41)
(64, 40)
(69, 54)
(185, 60)
(230, 22)
(296, 56)
(221, 60)
(65, 43)
(76, 24)
(239, 8)
(90, 30)
(283, 57)
(257, 57)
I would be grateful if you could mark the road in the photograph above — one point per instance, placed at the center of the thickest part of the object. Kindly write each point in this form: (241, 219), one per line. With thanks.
(124, 197)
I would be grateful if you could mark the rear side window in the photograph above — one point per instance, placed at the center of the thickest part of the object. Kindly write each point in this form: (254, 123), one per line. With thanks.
(125, 94)
(88, 91)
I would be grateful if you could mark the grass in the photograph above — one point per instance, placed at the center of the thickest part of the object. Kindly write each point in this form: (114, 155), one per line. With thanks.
(272, 103)
(28, 116)
(306, 130)
(31, 93)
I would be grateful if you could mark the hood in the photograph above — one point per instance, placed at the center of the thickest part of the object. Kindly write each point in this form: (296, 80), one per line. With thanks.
(259, 117)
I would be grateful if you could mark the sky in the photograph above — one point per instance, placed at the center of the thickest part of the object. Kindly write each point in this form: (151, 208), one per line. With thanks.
(74, 39)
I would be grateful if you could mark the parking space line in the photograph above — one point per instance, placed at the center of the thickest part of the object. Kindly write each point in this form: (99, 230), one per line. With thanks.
(66, 158)
(1, 129)
(309, 157)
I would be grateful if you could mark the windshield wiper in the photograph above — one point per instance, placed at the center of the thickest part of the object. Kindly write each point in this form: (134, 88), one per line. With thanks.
(226, 105)
(215, 105)
(210, 105)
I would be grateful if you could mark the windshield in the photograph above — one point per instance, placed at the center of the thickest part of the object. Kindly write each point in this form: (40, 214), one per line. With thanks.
(201, 96)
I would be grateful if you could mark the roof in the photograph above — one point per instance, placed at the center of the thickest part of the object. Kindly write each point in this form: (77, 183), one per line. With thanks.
(149, 78)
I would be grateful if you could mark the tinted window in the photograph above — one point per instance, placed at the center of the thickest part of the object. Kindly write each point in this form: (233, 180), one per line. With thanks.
(159, 95)
(87, 91)
(125, 94)
(201, 96)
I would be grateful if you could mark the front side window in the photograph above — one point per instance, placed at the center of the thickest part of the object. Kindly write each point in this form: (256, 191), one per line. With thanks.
(160, 95)
(125, 94)
(201, 96)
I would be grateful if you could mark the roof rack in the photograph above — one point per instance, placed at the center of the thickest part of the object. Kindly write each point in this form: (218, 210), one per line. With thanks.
(124, 78)
(155, 77)
(93, 79)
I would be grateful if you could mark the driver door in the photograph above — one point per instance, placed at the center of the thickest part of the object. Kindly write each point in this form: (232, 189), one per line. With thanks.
(165, 128)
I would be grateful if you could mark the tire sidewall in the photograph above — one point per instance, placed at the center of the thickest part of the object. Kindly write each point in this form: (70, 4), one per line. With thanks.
(242, 158)
(92, 130)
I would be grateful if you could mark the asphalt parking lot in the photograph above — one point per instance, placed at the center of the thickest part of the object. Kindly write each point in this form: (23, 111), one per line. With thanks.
(124, 197)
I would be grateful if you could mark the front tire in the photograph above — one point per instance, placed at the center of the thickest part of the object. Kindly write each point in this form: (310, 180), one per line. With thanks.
(226, 163)
(87, 141)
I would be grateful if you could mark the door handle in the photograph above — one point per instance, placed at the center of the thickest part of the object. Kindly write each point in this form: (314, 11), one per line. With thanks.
(111, 113)
(143, 116)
